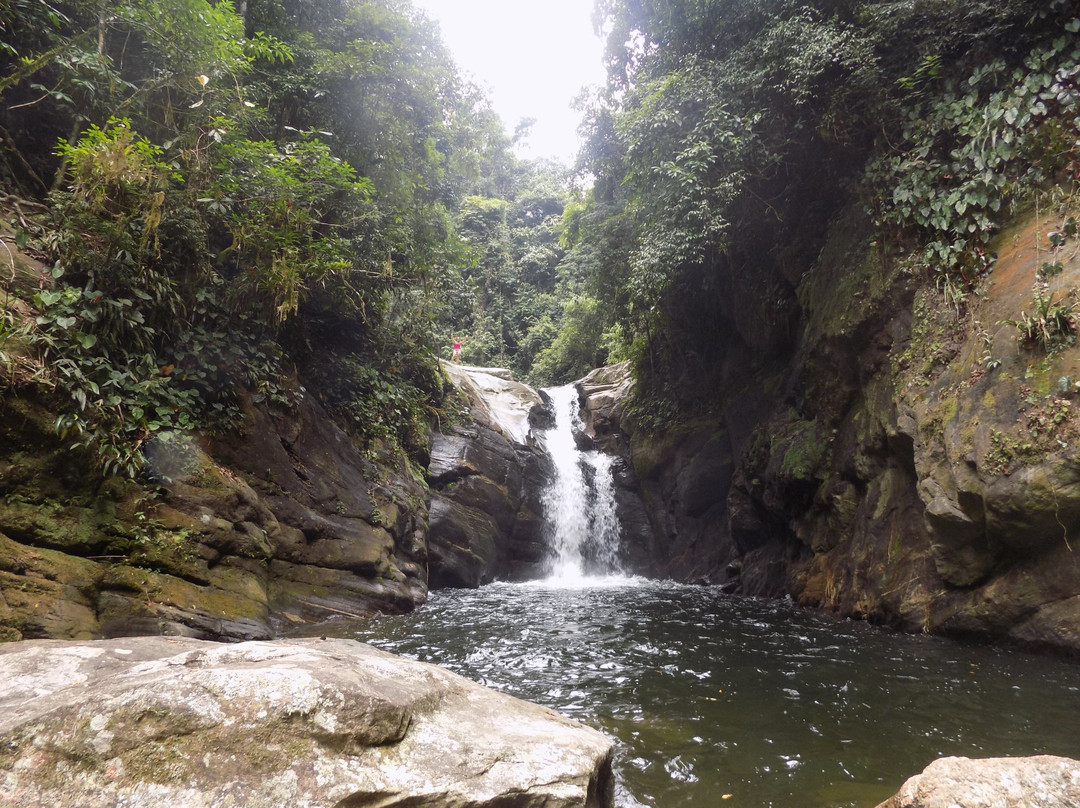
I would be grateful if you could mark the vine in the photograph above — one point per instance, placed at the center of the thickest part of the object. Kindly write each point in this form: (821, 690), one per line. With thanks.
(980, 144)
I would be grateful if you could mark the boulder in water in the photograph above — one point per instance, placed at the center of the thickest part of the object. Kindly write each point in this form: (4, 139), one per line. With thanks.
(155, 721)
(1044, 781)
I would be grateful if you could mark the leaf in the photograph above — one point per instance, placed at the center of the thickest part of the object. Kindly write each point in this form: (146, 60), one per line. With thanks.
(86, 340)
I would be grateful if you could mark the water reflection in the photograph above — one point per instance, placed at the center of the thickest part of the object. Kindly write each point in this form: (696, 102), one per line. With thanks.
(709, 696)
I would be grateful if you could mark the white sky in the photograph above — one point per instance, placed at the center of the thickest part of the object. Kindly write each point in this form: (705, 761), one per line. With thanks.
(531, 56)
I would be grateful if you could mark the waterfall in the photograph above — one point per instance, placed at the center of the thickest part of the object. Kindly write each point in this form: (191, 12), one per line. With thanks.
(579, 503)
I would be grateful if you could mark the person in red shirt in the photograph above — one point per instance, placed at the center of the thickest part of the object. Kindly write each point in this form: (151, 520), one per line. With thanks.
(456, 355)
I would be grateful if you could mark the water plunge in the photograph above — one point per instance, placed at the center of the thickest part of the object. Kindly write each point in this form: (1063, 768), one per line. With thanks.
(709, 697)
(579, 502)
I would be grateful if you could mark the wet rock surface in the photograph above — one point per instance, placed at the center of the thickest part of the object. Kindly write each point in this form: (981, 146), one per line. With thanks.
(902, 460)
(487, 476)
(603, 395)
(285, 524)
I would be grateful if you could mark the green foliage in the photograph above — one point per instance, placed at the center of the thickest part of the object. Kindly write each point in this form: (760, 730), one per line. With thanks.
(577, 348)
(1051, 323)
(731, 132)
(389, 404)
(688, 156)
(653, 414)
(979, 144)
(113, 205)
(511, 288)
(119, 405)
(281, 192)
(286, 208)
(725, 136)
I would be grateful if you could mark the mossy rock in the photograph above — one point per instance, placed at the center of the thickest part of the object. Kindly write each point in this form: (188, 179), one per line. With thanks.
(235, 595)
(46, 593)
(55, 525)
(805, 446)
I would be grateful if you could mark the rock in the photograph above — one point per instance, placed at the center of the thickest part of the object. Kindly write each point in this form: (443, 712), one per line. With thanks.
(484, 518)
(285, 521)
(1044, 781)
(684, 480)
(958, 542)
(901, 460)
(184, 723)
(462, 543)
(496, 400)
(603, 394)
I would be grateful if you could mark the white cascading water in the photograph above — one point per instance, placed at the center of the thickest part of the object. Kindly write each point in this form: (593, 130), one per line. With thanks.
(579, 502)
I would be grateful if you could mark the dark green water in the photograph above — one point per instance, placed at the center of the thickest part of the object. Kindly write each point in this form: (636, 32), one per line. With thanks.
(708, 696)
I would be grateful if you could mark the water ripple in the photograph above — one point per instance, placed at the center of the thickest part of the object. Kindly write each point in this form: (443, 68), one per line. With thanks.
(707, 695)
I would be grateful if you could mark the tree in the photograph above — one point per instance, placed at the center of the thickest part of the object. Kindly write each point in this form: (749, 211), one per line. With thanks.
(729, 134)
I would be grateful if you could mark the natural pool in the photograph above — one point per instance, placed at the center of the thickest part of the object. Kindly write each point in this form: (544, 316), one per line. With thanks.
(708, 696)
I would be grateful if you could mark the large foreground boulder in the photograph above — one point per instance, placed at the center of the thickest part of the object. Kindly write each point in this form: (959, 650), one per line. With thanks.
(1044, 781)
(156, 721)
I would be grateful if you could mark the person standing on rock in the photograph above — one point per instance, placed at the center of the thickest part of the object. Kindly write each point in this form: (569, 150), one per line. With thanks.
(456, 355)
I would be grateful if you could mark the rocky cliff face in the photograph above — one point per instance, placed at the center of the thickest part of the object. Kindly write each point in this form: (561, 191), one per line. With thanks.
(283, 524)
(908, 461)
(603, 394)
(486, 477)
(286, 523)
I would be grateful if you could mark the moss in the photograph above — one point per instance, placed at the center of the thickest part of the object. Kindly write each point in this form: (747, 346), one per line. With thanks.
(1040, 376)
(234, 593)
(807, 446)
(46, 564)
(939, 414)
(49, 523)
(851, 279)
(176, 760)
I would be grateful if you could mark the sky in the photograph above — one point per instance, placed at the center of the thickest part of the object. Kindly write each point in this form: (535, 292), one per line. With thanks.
(531, 57)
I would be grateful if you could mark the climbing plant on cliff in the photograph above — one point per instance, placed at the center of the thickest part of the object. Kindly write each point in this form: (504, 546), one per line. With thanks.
(981, 144)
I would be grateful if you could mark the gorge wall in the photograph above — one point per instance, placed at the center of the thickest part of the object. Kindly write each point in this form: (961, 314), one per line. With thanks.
(253, 534)
(890, 452)
(904, 459)
(283, 524)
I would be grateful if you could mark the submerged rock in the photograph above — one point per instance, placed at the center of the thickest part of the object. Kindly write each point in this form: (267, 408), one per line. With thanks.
(1044, 781)
(184, 723)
